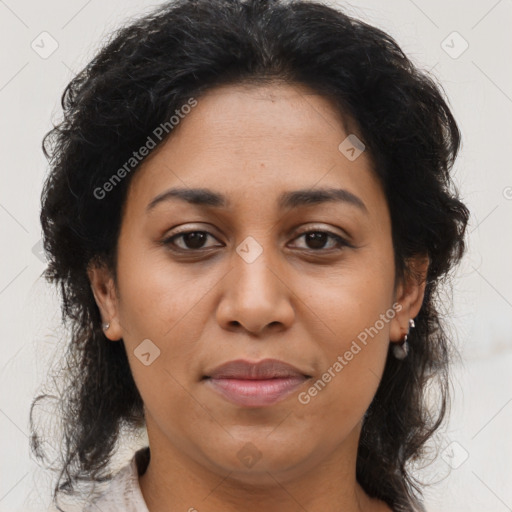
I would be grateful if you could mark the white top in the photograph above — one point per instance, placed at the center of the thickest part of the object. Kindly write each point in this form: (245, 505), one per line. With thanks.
(123, 492)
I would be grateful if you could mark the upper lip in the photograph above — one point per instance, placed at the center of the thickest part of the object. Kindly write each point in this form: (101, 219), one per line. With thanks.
(264, 369)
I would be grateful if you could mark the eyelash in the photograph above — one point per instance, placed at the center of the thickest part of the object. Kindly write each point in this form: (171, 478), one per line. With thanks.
(340, 240)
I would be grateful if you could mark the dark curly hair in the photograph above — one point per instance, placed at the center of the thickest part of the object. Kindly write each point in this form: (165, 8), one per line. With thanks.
(139, 78)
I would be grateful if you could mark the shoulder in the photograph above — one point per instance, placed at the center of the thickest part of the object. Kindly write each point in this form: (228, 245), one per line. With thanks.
(123, 492)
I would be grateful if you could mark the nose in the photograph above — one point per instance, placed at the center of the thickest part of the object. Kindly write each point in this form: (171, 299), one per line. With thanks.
(256, 296)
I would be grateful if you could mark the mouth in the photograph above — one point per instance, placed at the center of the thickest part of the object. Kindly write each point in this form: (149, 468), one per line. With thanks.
(257, 384)
(255, 393)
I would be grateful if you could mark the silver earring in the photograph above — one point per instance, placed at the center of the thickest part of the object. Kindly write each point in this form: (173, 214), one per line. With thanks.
(105, 326)
(401, 350)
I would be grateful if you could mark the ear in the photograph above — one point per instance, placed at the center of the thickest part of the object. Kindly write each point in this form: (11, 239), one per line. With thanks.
(409, 294)
(103, 288)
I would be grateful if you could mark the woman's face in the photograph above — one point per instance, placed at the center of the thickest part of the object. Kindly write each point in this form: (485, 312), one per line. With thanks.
(251, 283)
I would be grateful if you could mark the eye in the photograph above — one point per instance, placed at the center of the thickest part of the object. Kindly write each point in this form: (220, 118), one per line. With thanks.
(192, 240)
(317, 240)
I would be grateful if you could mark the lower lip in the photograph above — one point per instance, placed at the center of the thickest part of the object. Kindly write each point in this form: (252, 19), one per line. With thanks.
(255, 393)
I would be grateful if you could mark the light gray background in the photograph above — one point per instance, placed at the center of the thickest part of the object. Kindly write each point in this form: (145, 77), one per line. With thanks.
(474, 469)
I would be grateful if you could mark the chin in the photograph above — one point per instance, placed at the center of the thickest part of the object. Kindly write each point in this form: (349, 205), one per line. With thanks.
(253, 460)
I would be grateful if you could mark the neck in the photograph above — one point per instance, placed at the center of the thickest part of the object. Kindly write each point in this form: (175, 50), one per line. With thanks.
(177, 479)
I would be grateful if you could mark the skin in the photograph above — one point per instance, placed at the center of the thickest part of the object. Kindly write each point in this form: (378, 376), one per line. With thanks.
(298, 302)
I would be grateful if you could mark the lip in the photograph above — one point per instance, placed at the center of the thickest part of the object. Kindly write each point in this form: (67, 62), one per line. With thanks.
(255, 384)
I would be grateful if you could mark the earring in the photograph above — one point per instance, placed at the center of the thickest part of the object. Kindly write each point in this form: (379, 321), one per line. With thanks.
(400, 351)
(105, 326)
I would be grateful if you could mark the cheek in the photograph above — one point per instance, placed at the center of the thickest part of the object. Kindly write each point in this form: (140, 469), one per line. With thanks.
(158, 295)
(349, 299)
(352, 312)
(345, 387)
(167, 304)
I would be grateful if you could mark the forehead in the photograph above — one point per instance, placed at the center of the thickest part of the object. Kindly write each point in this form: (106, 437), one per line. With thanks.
(279, 112)
(256, 141)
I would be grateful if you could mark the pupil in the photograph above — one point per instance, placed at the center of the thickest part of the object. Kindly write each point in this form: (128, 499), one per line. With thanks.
(318, 239)
(194, 240)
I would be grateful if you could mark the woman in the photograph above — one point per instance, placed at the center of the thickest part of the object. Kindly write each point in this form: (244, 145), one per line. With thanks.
(249, 213)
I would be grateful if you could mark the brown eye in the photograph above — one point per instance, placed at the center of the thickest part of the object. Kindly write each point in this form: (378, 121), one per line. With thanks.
(316, 240)
(191, 240)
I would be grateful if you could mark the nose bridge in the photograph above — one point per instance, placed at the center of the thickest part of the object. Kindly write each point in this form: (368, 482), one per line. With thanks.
(253, 262)
(256, 294)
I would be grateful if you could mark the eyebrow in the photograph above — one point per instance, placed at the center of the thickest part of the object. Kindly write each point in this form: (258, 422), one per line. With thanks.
(287, 200)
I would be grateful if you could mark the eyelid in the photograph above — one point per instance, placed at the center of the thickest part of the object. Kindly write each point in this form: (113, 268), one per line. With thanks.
(321, 228)
(342, 240)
